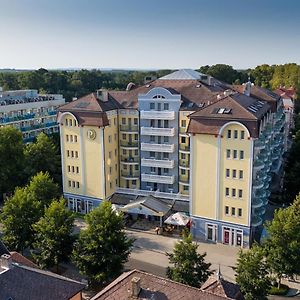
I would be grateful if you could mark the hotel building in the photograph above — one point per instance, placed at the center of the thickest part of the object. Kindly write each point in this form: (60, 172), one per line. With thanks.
(184, 137)
(30, 112)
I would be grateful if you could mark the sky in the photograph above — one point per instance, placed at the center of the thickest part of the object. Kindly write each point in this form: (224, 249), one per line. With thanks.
(141, 34)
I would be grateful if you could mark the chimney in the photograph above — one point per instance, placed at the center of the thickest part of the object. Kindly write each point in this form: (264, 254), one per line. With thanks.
(135, 287)
(6, 261)
(102, 95)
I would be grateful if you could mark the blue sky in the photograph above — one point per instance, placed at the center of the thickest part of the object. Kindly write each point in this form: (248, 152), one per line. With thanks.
(148, 34)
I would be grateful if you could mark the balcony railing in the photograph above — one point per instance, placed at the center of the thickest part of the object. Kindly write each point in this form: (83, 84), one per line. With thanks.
(184, 179)
(184, 148)
(157, 131)
(28, 116)
(184, 163)
(157, 115)
(130, 174)
(129, 128)
(129, 160)
(158, 178)
(132, 144)
(159, 163)
(182, 129)
(256, 221)
(169, 148)
(38, 126)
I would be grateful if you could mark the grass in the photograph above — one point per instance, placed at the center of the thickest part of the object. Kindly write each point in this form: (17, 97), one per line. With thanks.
(281, 291)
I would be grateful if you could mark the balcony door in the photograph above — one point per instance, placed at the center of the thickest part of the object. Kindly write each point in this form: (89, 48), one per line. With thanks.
(159, 171)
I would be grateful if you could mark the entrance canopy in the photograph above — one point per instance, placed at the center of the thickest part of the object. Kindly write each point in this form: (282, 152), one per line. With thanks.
(149, 206)
(178, 219)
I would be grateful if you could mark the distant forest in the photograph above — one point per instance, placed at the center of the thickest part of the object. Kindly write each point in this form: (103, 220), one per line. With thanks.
(80, 82)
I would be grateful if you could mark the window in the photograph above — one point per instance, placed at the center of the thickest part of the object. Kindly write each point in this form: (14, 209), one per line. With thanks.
(67, 137)
(152, 169)
(211, 232)
(136, 167)
(116, 167)
(72, 153)
(110, 185)
(70, 184)
(73, 169)
(183, 123)
(76, 154)
(233, 211)
(152, 106)
(229, 134)
(185, 187)
(69, 169)
(134, 182)
(183, 155)
(110, 170)
(123, 136)
(242, 134)
(183, 139)
(124, 151)
(226, 210)
(241, 154)
(77, 184)
(136, 152)
(109, 138)
(165, 155)
(152, 154)
(152, 138)
(233, 173)
(66, 122)
(227, 173)
(158, 106)
(241, 174)
(166, 171)
(77, 170)
(71, 138)
(75, 138)
(166, 139)
(166, 106)
(235, 134)
(240, 212)
(136, 137)
(115, 136)
(109, 154)
(73, 184)
(135, 121)
(183, 172)
(235, 154)
(123, 121)
(125, 167)
(228, 153)
(166, 123)
(227, 192)
(68, 153)
(70, 122)
(233, 192)
(116, 181)
(240, 193)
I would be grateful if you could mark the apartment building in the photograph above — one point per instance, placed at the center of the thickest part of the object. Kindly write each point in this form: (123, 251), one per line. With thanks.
(186, 137)
(30, 112)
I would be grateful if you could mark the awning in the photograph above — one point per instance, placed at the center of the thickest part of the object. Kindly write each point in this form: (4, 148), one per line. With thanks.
(178, 219)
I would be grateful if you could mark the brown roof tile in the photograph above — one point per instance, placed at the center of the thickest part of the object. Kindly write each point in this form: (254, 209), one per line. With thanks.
(152, 286)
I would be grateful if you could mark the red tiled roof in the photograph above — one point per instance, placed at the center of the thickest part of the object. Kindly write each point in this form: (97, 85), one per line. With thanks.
(22, 260)
(152, 286)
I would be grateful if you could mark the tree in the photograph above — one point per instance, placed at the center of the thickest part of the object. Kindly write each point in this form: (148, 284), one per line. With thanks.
(43, 189)
(252, 274)
(43, 155)
(189, 266)
(283, 244)
(53, 241)
(103, 247)
(19, 213)
(11, 159)
(262, 75)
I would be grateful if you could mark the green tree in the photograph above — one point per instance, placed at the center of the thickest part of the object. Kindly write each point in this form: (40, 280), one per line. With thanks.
(189, 266)
(43, 189)
(11, 159)
(262, 75)
(43, 155)
(252, 274)
(19, 213)
(283, 243)
(103, 247)
(53, 240)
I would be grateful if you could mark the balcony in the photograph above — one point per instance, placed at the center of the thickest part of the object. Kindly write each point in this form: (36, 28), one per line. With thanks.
(184, 148)
(260, 144)
(168, 148)
(129, 160)
(257, 202)
(132, 144)
(184, 163)
(157, 131)
(257, 184)
(158, 178)
(260, 211)
(256, 221)
(157, 115)
(258, 164)
(159, 163)
(129, 128)
(182, 130)
(184, 179)
(131, 175)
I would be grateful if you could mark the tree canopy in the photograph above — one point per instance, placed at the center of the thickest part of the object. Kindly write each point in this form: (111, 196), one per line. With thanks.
(52, 233)
(103, 247)
(189, 267)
